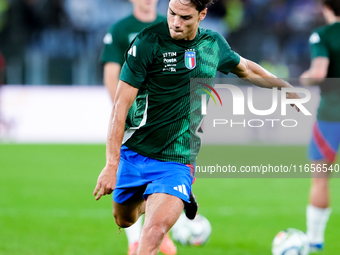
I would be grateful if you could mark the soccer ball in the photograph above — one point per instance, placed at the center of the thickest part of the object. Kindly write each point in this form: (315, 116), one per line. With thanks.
(191, 232)
(290, 242)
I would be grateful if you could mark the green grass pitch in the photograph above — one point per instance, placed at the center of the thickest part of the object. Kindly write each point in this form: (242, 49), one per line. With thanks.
(47, 207)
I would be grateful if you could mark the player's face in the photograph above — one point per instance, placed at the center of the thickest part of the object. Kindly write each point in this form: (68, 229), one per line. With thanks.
(328, 15)
(145, 5)
(183, 19)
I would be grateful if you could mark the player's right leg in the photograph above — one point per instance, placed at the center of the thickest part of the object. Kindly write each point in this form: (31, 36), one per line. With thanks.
(318, 210)
(128, 202)
(322, 152)
(126, 214)
(319, 192)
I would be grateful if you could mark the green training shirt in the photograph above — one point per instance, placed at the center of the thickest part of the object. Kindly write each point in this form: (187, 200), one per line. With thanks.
(119, 37)
(325, 42)
(165, 116)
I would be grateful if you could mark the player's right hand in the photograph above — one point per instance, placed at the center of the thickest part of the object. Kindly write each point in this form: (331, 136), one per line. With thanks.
(106, 182)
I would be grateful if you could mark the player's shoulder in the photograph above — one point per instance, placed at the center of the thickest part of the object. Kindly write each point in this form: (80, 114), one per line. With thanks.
(317, 34)
(215, 36)
(332, 29)
(204, 32)
(321, 32)
(322, 29)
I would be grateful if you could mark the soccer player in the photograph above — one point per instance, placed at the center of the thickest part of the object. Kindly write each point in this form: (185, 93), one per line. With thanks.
(153, 170)
(325, 53)
(2, 69)
(117, 41)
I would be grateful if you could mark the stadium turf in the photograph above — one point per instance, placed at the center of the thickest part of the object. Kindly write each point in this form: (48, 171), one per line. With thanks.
(47, 207)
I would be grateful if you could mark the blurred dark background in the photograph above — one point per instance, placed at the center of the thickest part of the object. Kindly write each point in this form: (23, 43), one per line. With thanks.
(58, 42)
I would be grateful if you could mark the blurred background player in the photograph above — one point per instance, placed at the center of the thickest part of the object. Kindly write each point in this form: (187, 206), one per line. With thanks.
(119, 37)
(3, 124)
(117, 41)
(325, 53)
(2, 69)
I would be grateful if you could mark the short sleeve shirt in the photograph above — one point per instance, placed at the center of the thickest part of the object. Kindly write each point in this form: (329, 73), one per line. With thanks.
(163, 121)
(324, 42)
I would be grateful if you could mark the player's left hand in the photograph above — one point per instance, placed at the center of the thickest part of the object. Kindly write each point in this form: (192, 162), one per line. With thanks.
(293, 95)
(305, 78)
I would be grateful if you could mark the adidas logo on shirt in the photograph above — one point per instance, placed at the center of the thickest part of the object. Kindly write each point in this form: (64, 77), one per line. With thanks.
(133, 51)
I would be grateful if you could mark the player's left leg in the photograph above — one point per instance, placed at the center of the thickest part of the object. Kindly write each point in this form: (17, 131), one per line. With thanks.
(161, 213)
(319, 192)
(132, 234)
(135, 173)
(191, 208)
(169, 187)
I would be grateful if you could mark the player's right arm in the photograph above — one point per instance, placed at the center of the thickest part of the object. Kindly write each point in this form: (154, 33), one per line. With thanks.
(316, 73)
(123, 100)
(113, 58)
(132, 76)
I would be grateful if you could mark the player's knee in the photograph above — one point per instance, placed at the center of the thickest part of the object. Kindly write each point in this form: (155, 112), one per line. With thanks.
(155, 229)
(124, 218)
(320, 182)
(122, 222)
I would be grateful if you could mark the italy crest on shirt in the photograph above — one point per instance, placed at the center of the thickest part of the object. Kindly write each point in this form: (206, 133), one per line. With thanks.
(190, 59)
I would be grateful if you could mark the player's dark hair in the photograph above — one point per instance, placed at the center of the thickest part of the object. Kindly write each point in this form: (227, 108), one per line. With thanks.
(334, 5)
(199, 4)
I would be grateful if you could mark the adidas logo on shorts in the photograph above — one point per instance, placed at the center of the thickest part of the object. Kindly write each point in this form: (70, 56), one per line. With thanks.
(182, 189)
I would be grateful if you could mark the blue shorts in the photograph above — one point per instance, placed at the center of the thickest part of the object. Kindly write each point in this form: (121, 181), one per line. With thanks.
(325, 141)
(139, 176)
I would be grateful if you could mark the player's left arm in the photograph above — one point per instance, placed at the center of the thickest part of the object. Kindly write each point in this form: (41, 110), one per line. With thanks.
(254, 73)
(316, 73)
(257, 75)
